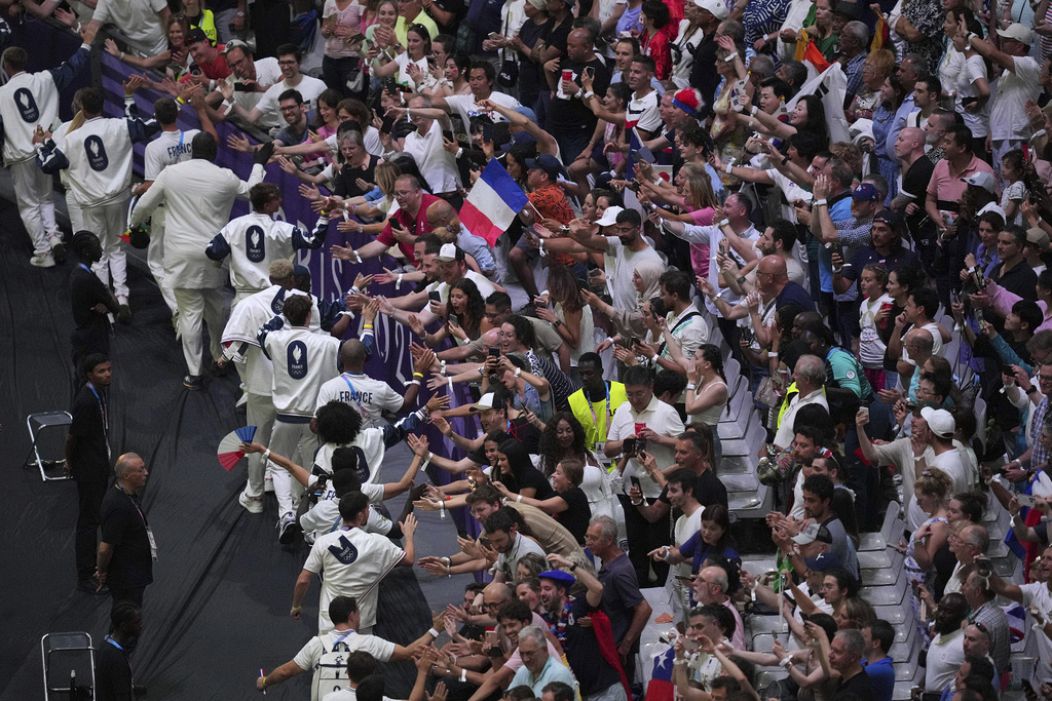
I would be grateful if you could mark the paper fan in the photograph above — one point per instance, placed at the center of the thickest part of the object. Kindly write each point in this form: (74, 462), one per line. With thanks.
(229, 451)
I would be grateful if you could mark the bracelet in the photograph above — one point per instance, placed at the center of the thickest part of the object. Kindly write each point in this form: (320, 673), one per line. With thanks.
(263, 684)
(754, 110)
(772, 354)
(819, 203)
(448, 560)
(727, 167)
(724, 222)
(369, 327)
(463, 675)
(518, 498)
(413, 382)
(589, 95)
(449, 572)
(398, 281)
(691, 386)
(122, 55)
(266, 455)
(730, 59)
(417, 374)
(518, 372)
(432, 632)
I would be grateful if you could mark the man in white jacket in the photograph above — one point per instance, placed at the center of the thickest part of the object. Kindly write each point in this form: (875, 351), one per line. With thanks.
(98, 157)
(198, 195)
(28, 102)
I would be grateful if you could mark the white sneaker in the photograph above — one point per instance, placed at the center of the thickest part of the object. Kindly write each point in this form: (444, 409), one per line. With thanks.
(253, 505)
(287, 528)
(42, 260)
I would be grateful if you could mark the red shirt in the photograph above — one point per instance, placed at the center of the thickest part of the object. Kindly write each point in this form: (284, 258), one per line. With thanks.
(217, 69)
(417, 226)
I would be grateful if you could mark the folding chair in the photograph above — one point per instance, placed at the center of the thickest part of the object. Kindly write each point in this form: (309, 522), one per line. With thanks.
(68, 660)
(52, 469)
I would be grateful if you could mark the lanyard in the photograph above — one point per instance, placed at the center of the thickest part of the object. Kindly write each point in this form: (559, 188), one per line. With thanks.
(84, 267)
(135, 504)
(114, 643)
(350, 386)
(595, 419)
(104, 414)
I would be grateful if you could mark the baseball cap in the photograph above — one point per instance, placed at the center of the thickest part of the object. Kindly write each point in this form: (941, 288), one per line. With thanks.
(1038, 237)
(865, 193)
(812, 532)
(991, 207)
(861, 129)
(939, 421)
(548, 163)
(195, 35)
(1018, 32)
(559, 576)
(450, 252)
(888, 217)
(715, 7)
(485, 402)
(982, 179)
(237, 44)
(609, 217)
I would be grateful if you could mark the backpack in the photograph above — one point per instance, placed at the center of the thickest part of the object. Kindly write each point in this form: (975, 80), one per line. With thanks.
(330, 673)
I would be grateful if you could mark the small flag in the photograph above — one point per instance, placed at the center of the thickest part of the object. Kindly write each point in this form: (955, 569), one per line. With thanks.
(661, 687)
(494, 201)
(229, 451)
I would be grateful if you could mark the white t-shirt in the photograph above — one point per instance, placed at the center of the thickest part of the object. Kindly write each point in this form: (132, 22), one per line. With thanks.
(871, 346)
(521, 547)
(303, 361)
(784, 436)
(466, 107)
(945, 655)
(308, 88)
(369, 397)
(684, 528)
(643, 112)
(168, 148)
(620, 264)
(436, 164)
(791, 192)
(659, 417)
(1008, 118)
(351, 563)
(139, 21)
(268, 72)
(971, 69)
(403, 77)
(324, 517)
(1037, 596)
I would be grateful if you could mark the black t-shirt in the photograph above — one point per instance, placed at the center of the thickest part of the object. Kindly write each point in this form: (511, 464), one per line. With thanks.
(703, 75)
(458, 9)
(556, 34)
(860, 685)
(573, 115)
(113, 677)
(91, 458)
(124, 528)
(577, 514)
(531, 76)
(708, 490)
(345, 181)
(531, 477)
(915, 181)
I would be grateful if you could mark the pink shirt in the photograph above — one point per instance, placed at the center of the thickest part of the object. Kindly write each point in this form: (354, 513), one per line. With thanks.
(945, 186)
(699, 252)
(1003, 301)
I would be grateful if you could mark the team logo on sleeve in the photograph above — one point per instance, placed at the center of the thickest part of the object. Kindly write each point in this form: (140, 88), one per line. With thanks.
(27, 105)
(297, 360)
(96, 152)
(344, 551)
(255, 248)
(278, 303)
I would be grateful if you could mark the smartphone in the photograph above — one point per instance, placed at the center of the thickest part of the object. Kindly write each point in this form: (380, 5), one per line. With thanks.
(629, 448)
(242, 87)
(494, 352)
(641, 445)
(454, 319)
(635, 483)
(435, 296)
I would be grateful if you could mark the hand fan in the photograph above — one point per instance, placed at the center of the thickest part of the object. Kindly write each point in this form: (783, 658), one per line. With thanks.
(229, 451)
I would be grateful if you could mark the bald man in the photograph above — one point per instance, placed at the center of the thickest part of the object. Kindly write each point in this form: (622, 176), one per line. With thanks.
(441, 214)
(369, 397)
(916, 172)
(127, 549)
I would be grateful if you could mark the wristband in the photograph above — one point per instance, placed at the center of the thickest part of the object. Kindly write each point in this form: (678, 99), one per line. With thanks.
(413, 382)
(730, 59)
(417, 374)
(266, 455)
(724, 222)
(518, 498)
(432, 632)
(398, 281)
(772, 354)
(518, 372)
(540, 248)
(369, 327)
(427, 460)
(819, 203)
(785, 160)
(691, 386)
(754, 110)
(1031, 390)
(589, 95)
(727, 167)
(463, 675)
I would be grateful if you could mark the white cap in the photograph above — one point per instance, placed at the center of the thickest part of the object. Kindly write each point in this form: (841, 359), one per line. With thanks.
(992, 207)
(609, 217)
(448, 252)
(939, 421)
(717, 8)
(484, 402)
(1019, 32)
(861, 129)
(982, 179)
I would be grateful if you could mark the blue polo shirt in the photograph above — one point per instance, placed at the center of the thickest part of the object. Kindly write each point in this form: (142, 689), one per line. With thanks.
(881, 678)
(839, 211)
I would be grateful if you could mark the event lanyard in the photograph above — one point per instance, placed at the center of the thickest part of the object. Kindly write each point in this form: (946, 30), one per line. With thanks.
(595, 419)
(104, 414)
(347, 381)
(114, 643)
(84, 267)
(131, 498)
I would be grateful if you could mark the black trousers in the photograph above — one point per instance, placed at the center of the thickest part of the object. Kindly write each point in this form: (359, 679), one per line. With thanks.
(643, 537)
(89, 494)
(122, 592)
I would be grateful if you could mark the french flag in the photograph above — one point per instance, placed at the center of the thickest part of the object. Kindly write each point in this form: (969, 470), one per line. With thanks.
(494, 201)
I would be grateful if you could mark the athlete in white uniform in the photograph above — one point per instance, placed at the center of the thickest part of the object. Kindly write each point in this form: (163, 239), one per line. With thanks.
(303, 360)
(351, 562)
(256, 239)
(198, 196)
(171, 146)
(98, 155)
(29, 101)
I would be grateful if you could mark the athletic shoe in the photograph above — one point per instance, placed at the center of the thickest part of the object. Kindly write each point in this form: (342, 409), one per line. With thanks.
(58, 250)
(287, 528)
(192, 382)
(124, 313)
(253, 505)
(42, 260)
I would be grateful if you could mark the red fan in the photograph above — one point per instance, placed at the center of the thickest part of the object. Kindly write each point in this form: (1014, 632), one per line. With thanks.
(229, 451)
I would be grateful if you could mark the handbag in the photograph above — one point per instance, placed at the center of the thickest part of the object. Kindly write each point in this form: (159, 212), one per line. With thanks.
(767, 393)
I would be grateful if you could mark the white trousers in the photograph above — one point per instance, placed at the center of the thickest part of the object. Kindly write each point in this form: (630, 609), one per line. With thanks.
(297, 443)
(198, 308)
(37, 209)
(155, 258)
(108, 221)
(259, 412)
